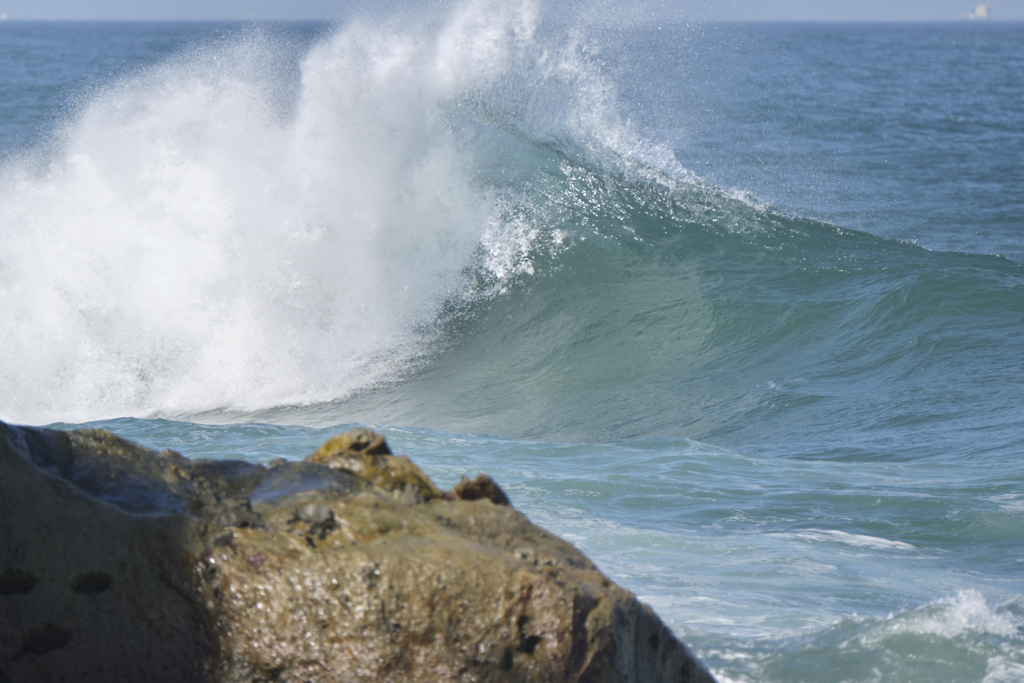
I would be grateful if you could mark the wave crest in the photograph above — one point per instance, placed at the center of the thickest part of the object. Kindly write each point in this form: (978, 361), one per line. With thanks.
(219, 233)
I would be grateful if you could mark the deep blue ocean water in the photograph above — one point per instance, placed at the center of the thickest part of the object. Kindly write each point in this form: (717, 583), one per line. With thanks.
(738, 309)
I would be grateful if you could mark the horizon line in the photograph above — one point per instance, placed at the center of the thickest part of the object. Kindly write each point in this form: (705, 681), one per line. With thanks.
(235, 20)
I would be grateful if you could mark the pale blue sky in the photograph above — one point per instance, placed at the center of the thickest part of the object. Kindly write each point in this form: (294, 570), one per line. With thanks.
(770, 10)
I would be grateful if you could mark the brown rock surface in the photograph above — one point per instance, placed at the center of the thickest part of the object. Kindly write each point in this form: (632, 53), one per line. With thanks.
(118, 563)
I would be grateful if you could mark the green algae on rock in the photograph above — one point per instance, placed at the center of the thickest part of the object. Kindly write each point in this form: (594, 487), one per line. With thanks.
(118, 562)
(366, 455)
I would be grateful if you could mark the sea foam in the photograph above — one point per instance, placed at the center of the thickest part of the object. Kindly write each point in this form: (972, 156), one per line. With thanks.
(217, 233)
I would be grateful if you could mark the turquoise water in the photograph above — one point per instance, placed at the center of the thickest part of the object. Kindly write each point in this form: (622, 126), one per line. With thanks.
(736, 309)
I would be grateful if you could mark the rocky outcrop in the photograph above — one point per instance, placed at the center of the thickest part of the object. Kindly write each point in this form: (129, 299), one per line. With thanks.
(119, 563)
